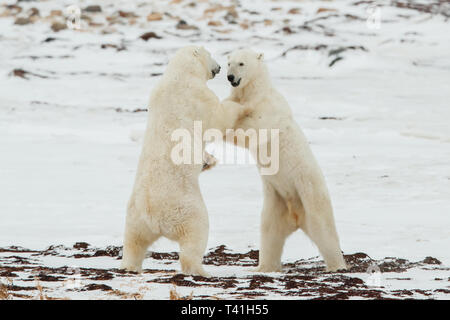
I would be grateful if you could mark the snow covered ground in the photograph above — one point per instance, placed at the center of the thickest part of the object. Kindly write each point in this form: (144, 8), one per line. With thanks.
(71, 122)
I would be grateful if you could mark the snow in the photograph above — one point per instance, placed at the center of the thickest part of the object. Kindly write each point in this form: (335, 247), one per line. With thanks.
(68, 157)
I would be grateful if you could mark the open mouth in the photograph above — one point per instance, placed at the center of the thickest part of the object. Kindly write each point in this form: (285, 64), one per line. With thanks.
(236, 83)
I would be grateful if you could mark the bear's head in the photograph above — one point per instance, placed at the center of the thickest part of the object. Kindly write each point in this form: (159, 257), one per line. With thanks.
(196, 61)
(243, 66)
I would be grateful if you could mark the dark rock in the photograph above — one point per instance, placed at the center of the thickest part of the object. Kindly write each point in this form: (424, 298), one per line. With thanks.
(96, 286)
(330, 118)
(231, 17)
(93, 8)
(149, 35)
(19, 73)
(13, 9)
(114, 46)
(127, 14)
(49, 278)
(33, 12)
(294, 11)
(81, 245)
(287, 30)
(332, 63)
(431, 260)
(22, 21)
(49, 39)
(58, 26)
(183, 25)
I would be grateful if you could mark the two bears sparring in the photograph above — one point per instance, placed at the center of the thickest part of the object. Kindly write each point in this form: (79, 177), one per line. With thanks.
(166, 198)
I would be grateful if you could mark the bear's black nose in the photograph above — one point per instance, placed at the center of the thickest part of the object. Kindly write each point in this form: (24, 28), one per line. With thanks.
(230, 77)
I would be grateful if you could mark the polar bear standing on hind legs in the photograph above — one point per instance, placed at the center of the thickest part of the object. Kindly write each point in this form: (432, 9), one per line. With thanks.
(296, 196)
(166, 199)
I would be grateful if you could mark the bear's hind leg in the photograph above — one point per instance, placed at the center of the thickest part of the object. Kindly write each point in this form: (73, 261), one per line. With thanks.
(137, 240)
(323, 233)
(193, 240)
(276, 226)
(320, 227)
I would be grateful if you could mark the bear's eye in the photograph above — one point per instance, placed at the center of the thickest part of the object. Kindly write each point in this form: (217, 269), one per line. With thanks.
(241, 64)
(228, 64)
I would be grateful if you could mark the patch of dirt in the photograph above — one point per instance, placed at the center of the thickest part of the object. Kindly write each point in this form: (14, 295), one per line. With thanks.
(95, 286)
(221, 256)
(179, 280)
(305, 278)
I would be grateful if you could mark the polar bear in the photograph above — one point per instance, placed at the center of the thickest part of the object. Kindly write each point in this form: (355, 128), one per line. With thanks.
(166, 199)
(296, 196)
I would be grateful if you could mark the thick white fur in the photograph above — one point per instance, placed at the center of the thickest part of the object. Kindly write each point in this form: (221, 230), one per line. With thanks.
(297, 196)
(166, 199)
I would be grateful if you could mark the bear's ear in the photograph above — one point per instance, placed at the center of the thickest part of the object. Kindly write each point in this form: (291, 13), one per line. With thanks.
(260, 56)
